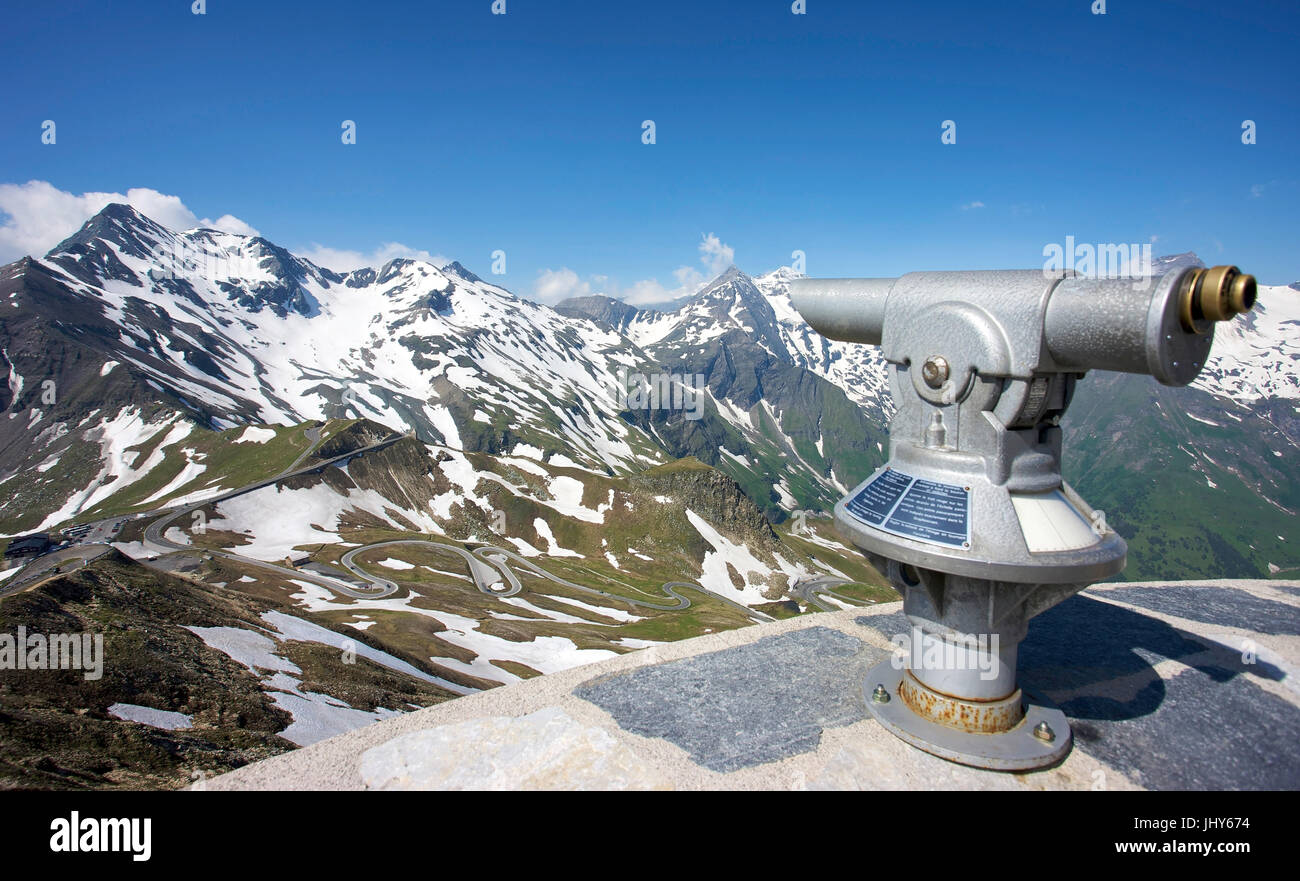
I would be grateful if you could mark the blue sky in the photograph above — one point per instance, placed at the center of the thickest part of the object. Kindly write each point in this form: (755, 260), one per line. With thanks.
(774, 132)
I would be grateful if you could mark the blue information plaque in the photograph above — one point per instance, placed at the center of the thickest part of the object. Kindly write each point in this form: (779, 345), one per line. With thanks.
(922, 510)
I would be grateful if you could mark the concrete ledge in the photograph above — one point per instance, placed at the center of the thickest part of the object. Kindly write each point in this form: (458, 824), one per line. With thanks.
(1188, 685)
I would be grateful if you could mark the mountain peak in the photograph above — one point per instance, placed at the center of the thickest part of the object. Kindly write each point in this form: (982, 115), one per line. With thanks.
(93, 252)
(116, 222)
(730, 284)
(457, 269)
(119, 211)
(781, 273)
(396, 265)
(598, 308)
(1162, 265)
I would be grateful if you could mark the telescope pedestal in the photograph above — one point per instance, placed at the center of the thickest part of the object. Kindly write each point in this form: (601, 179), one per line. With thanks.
(950, 687)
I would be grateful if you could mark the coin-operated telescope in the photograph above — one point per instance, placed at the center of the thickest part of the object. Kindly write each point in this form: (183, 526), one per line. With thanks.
(970, 519)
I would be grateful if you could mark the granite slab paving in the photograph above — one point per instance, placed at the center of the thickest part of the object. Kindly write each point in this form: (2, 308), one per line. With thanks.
(744, 706)
(1211, 605)
(1201, 722)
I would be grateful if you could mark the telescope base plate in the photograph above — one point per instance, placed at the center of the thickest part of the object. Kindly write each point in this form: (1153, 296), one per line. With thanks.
(1018, 749)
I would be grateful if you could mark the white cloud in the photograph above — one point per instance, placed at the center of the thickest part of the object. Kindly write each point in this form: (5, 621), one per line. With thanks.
(1258, 190)
(342, 260)
(647, 291)
(716, 256)
(553, 285)
(230, 223)
(970, 206)
(38, 215)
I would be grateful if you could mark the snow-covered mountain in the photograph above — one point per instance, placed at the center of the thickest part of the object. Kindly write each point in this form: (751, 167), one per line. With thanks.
(238, 330)
(799, 418)
(759, 306)
(233, 330)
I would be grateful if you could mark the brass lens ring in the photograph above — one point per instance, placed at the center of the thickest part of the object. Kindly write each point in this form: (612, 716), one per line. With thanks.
(1216, 294)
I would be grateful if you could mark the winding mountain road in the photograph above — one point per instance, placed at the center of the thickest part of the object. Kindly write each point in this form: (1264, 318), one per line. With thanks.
(489, 564)
(808, 591)
(313, 441)
(492, 568)
(63, 560)
(153, 533)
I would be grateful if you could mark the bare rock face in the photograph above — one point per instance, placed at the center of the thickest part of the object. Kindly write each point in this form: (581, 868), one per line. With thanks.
(547, 750)
(713, 495)
(359, 434)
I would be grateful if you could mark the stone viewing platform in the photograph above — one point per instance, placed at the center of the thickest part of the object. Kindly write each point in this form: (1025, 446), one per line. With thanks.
(1184, 685)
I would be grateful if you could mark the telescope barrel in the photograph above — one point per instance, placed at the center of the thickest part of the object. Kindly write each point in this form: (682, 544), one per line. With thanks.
(847, 309)
(1161, 327)
(1107, 324)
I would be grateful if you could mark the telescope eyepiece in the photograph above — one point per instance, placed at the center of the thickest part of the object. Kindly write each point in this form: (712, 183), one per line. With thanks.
(1219, 293)
(1242, 293)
